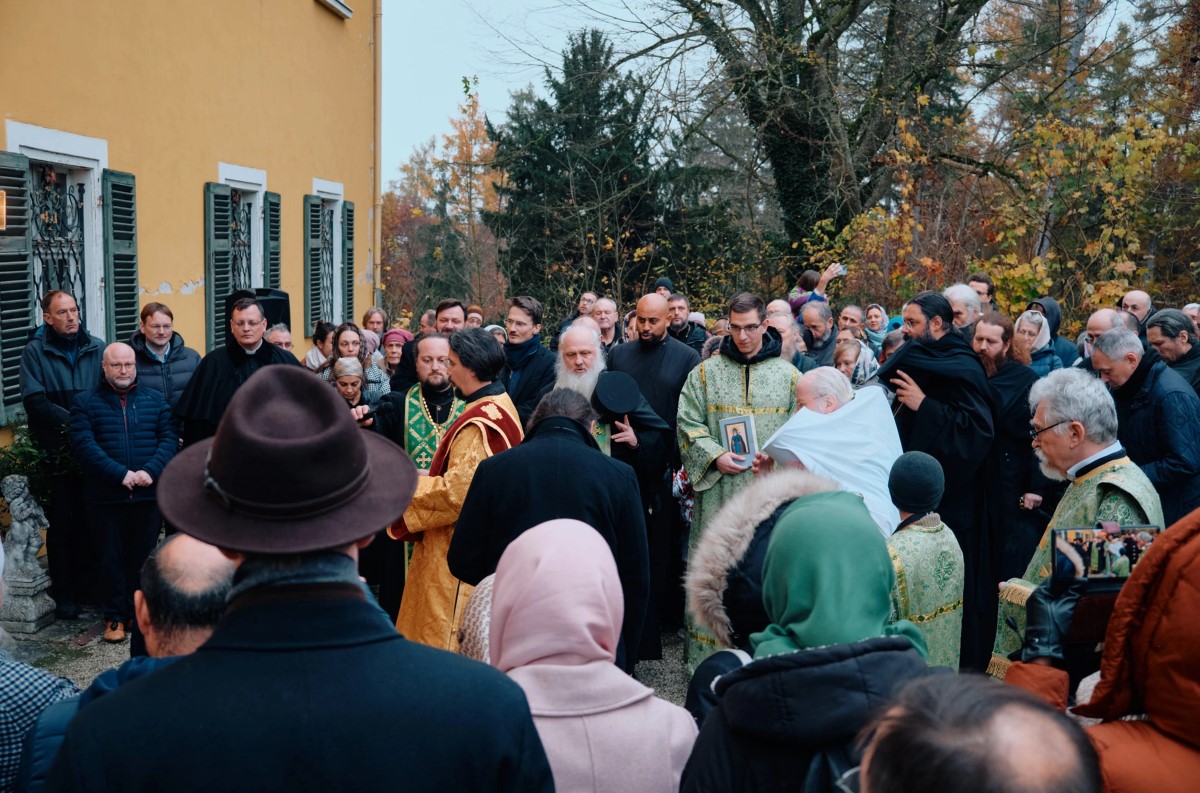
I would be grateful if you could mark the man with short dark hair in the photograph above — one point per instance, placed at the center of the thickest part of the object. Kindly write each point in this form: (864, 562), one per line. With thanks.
(985, 287)
(61, 359)
(529, 367)
(558, 471)
(1172, 334)
(290, 490)
(750, 380)
(820, 337)
(965, 734)
(164, 362)
(943, 408)
(432, 607)
(852, 316)
(224, 370)
(449, 317)
(122, 435)
(680, 327)
(1158, 414)
(582, 309)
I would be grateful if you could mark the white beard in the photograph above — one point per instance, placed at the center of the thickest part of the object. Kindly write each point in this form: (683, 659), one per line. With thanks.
(1050, 471)
(584, 383)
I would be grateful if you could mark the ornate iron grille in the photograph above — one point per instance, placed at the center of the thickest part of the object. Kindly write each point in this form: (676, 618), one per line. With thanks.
(58, 251)
(327, 263)
(240, 237)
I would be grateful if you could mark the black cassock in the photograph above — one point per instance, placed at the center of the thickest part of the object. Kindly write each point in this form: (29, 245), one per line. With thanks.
(220, 374)
(660, 369)
(954, 425)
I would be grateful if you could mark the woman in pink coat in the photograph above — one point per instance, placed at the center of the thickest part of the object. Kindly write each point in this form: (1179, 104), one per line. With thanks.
(556, 620)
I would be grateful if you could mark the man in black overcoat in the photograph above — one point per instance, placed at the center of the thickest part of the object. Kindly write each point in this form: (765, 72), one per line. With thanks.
(944, 408)
(224, 370)
(557, 472)
(305, 684)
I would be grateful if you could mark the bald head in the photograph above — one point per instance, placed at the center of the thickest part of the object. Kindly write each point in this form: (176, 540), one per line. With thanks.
(586, 322)
(1137, 303)
(1101, 321)
(779, 307)
(182, 596)
(652, 320)
(119, 365)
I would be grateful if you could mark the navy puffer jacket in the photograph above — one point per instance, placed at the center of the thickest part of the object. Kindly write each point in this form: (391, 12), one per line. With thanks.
(1157, 417)
(112, 435)
(166, 377)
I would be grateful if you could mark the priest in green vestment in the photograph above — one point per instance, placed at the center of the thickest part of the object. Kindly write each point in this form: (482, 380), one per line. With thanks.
(747, 379)
(1074, 433)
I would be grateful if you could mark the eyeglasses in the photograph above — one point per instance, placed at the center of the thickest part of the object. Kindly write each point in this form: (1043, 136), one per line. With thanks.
(1034, 431)
(745, 328)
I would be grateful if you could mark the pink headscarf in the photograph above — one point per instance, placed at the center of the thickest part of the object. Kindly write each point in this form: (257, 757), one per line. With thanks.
(372, 340)
(556, 598)
(397, 334)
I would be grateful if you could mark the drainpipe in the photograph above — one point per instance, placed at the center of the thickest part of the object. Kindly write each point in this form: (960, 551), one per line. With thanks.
(376, 189)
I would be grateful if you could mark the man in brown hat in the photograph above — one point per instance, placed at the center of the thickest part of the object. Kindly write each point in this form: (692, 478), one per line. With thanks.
(304, 683)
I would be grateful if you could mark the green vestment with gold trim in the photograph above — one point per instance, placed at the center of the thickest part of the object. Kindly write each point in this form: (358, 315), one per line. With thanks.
(422, 435)
(929, 586)
(1116, 491)
(717, 389)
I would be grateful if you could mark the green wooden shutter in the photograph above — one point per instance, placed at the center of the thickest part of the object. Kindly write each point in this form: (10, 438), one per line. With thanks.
(271, 236)
(120, 254)
(16, 280)
(348, 261)
(312, 262)
(218, 259)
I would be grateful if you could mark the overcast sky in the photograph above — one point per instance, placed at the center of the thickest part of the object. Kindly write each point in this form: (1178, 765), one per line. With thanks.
(430, 45)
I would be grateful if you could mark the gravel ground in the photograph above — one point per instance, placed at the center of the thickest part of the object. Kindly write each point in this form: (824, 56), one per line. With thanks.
(667, 677)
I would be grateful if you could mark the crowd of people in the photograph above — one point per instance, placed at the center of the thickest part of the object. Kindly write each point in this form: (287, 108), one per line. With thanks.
(847, 513)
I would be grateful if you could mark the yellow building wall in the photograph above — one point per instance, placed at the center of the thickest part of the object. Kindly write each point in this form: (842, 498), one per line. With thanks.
(175, 88)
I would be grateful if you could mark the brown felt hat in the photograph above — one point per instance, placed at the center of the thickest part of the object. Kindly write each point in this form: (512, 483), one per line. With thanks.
(289, 471)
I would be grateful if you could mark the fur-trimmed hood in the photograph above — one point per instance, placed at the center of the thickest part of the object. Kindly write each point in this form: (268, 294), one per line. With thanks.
(726, 540)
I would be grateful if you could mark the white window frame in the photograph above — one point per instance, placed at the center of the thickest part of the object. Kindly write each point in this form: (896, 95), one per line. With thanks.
(254, 182)
(332, 194)
(85, 159)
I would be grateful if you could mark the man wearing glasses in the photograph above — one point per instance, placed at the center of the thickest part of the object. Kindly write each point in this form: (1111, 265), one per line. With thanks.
(122, 435)
(747, 378)
(1074, 435)
(223, 371)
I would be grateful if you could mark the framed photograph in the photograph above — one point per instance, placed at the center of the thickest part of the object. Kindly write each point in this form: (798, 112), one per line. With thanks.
(737, 436)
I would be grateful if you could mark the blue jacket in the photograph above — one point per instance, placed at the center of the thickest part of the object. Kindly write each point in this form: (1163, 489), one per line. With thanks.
(112, 435)
(166, 377)
(1045, 361)
(51, 375)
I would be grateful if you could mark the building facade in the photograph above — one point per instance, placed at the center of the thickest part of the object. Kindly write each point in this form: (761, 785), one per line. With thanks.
(175, 152)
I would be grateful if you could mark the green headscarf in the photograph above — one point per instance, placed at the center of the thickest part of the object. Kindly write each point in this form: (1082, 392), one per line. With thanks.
(827, 578)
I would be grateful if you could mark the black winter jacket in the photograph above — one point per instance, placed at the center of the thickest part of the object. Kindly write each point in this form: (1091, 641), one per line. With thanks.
(692, 335)
(1188, 367)
(50, 380)
(1158, 415)
(111, 436)
(527, 377)
(166, 377)
(788, 722)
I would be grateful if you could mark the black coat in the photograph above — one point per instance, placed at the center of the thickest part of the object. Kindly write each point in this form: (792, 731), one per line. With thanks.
(50, 380)
(954, 425)
(1188, 367)
(405, 376)
(821, 352)
(556, 472)
(1009, 472)
(789, 722)
(660, 369)
(308, 688)
(169, 377)
(220, 374)
(692, 335)
(533, 375)
(1158, 423)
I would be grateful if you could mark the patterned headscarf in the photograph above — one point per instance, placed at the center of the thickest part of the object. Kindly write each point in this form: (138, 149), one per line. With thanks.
(347, 367)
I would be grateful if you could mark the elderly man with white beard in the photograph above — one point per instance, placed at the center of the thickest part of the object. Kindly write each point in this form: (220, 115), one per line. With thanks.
(1074, 434)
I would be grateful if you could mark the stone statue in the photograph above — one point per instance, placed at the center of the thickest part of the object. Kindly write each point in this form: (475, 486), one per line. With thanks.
(27, 604)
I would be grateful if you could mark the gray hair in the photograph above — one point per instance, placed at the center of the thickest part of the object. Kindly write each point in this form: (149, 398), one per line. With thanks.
(1117, 343)
(1074, 395)
(824, 312)
(1192, 306)
(280, 326)
(961, 293)
(827, 381)
(1171, 322)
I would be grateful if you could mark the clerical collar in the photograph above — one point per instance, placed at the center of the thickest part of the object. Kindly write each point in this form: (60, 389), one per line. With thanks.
(251, 352)
(1111, 452)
